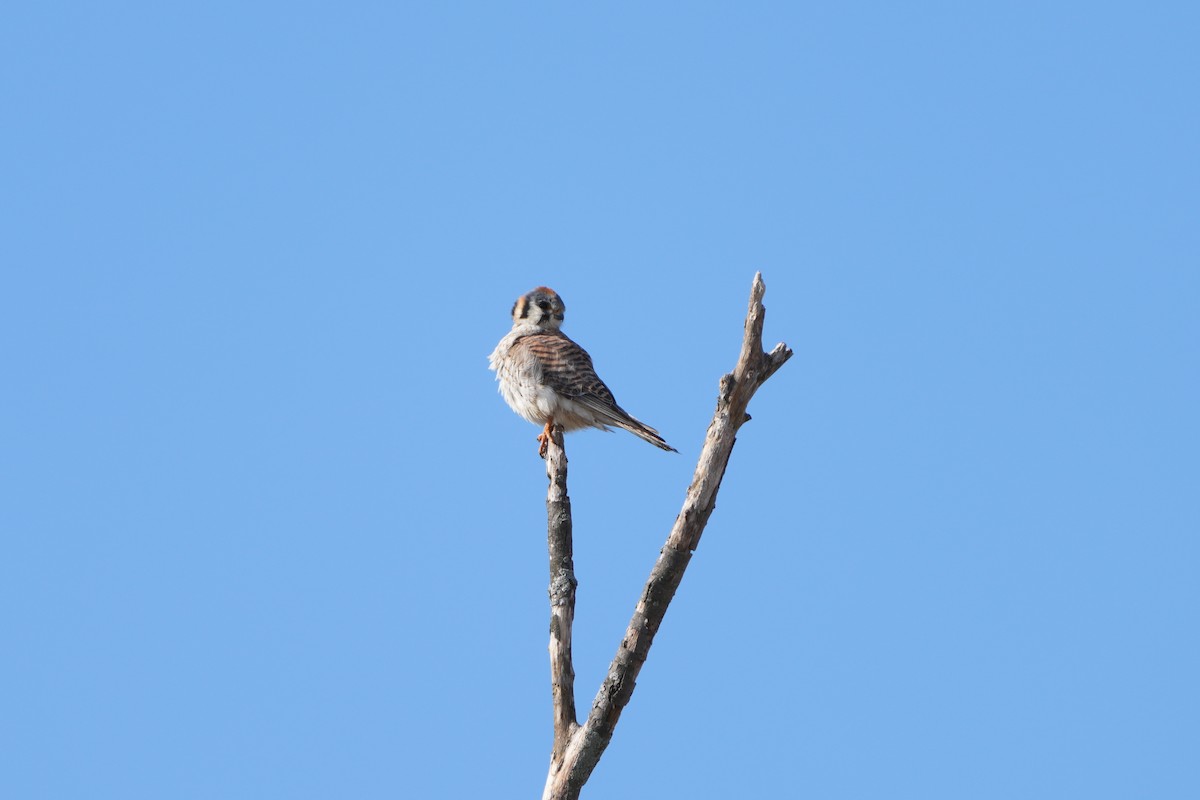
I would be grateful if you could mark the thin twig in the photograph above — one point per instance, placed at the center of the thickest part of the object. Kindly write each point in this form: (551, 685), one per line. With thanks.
(571, 765)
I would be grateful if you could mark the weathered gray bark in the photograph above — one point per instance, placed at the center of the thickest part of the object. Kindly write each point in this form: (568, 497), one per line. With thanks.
(578, 748)
(562, 594)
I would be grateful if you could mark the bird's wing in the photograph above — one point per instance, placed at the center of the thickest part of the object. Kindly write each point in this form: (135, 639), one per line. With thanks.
(567, 368)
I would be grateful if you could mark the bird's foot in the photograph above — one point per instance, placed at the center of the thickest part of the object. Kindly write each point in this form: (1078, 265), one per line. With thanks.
(544, 438)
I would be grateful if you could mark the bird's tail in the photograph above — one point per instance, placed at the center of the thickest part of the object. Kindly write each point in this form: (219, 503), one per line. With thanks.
(609, 413)
(644, 431)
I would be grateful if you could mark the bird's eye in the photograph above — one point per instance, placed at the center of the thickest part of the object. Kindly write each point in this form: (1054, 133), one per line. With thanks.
(544, 305)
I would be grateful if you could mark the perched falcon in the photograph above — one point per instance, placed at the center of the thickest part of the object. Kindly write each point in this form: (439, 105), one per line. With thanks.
(549, 380)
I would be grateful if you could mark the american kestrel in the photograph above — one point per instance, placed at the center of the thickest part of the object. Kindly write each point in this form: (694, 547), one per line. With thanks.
(549, 380)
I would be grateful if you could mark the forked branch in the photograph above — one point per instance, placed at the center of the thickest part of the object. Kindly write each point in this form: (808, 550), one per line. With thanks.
(578, 748)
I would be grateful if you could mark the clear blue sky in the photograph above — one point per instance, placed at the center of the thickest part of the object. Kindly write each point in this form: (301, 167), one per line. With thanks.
(270, 532)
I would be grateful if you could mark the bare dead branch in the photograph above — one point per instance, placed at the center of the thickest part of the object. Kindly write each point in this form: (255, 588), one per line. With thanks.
(577, 749)
(562, 594)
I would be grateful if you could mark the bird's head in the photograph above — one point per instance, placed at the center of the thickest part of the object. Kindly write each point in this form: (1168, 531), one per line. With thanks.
(541, 307)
